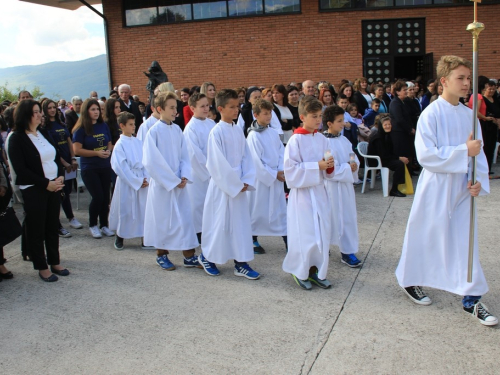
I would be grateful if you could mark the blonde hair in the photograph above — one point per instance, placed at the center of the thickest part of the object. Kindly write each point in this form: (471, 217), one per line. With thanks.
(449, 63)
(162, 98)
(166, 86)
(309, 104)
(204, 87)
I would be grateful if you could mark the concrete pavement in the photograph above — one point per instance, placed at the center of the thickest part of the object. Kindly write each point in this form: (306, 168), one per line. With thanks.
(119, 313)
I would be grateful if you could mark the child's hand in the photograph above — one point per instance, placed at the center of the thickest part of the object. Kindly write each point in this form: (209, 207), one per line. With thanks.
(245, 187)
(474, 147)
(354, 167)
(281, 176)
(474, 189)
(403, 159)
(145, 183)
(183, 183)
(325, 164)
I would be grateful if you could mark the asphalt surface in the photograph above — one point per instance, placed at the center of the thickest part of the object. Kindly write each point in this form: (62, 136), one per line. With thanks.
(119, 313)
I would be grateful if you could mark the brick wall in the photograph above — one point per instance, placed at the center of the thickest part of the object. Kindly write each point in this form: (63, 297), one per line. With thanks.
(281, 49)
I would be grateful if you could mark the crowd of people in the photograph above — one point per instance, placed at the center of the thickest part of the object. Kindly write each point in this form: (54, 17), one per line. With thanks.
(219, 168)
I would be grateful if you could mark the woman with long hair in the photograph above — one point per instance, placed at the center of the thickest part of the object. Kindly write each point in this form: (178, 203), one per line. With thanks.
(361, 96)
(92, 142)
(284, 111)
(208, 88)
(110, 115)
(35, 158)
(60, 134)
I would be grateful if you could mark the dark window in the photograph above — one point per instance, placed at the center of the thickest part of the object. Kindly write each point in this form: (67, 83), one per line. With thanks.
(362, 4)
(153, 12)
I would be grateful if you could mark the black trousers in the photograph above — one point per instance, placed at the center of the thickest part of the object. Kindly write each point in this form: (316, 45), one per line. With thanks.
(490, 131)
(399, 172)
(66, 203)
(98, 183)
(42, 224)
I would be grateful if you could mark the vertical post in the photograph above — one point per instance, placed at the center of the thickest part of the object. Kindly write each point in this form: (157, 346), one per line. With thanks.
(475, 28)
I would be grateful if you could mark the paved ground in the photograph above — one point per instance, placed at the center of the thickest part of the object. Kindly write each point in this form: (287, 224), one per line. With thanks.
(118, 313)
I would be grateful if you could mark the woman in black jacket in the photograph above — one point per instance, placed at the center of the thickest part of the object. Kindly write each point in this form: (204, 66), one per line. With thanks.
(361, 97)
(39, 173)
(284, 111)
(402, 130)
(381, 145)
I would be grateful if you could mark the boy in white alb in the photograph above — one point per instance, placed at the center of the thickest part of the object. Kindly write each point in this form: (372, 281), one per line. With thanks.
(126, 215)
(227, 232)
(196, 135)
(146, 125)
(340, 188)
(267, 201)
(308, 162)
(435, 248)
(169, 222)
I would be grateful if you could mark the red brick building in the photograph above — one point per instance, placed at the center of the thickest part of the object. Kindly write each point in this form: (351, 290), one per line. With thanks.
(245, 42)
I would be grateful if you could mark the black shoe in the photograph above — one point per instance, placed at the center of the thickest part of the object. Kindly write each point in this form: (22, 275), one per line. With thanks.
(480, 311)
(416, 294)
(119, 243)
(257, 249)
(49, 279)
(396, 193)
(63, 272)
(6, 276)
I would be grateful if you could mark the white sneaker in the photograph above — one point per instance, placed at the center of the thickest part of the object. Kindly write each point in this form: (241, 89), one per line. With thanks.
(95, 231)
(107, 232)
(73, 223)
(359, 182)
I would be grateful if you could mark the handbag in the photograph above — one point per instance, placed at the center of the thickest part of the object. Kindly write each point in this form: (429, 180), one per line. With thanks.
(407, 187)
(10, 227)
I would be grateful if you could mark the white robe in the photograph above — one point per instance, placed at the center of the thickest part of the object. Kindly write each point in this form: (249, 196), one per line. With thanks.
(267, 202)
(144, 128)
(128, 205)
(309, 214)
(275, 122)
(342, 197)
(196, 136)
(168, 223)
(436, 243)
(227, 232)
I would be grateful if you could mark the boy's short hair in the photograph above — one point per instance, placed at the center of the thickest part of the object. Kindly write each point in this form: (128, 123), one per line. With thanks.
(449, 63)
(309, 104)
(162, 98)
(375, 100)
(261, 104)
(195, 98)
(331, 112)
(224, 96)
(123, 117)
(341, 96)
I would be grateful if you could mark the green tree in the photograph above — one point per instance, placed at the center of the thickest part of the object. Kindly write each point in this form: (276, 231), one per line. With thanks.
(7, 94)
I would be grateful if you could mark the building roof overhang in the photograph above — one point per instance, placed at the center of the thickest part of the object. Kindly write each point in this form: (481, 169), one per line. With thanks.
(65, 4)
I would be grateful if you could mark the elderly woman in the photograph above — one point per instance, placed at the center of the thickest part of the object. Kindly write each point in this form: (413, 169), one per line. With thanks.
(413, 104)
(39, 173)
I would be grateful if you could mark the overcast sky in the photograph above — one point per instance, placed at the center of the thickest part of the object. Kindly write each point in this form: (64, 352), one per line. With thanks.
(34, 34)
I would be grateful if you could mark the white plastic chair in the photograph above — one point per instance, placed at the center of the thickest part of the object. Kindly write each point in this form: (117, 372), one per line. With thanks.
(384, 172)
(496, 153)
(79, 183)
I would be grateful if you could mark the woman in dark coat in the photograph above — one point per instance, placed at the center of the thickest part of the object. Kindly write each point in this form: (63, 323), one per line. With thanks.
(36, 161)
(381, 145)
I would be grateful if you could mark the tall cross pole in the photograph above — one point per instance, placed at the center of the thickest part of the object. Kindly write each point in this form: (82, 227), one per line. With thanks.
(475, 28)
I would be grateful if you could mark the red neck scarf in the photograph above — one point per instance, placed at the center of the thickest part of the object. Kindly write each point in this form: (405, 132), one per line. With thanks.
(303, 131)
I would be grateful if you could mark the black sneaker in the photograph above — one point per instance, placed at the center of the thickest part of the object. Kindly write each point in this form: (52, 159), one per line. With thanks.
(64, 233)
(257, 249)
(118, 243)
(482, 314)
(417, 295)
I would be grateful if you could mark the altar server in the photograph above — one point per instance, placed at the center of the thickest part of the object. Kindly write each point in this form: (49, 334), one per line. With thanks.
(151, 120)
(227, 231)
(267, 201)
(169, 222)
(435, 248)
(308, 161)
(196, 134)
(126, 216)
(340, 188)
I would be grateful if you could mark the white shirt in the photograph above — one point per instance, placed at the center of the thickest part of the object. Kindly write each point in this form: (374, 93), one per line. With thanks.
(47, 154)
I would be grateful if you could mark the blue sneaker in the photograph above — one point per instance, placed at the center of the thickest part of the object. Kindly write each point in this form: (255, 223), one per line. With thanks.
(209, 267)
(243, 269)
(192, 262)
(165, 263)
(351, 260)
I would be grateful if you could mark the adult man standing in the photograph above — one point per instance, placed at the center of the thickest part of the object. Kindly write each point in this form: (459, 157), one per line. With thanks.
(72, 115)
(129, 105)
(63, 107)
(308, 87)
(93, 95)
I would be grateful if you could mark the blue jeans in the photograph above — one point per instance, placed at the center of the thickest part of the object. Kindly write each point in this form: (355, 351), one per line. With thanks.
(469, 301)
